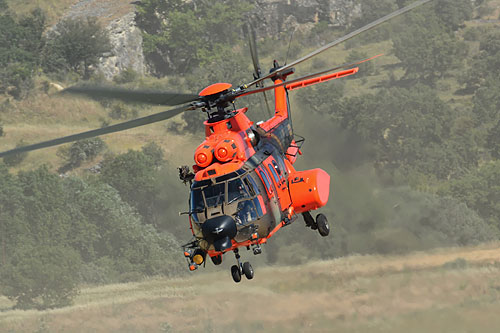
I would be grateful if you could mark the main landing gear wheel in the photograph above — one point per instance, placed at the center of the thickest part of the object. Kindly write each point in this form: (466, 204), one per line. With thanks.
(323, 226)
(248, 270)
(235, 272)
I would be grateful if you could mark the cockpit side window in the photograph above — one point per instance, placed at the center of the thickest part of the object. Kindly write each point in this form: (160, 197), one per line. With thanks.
(197, 205)
(197, 202)
(246, 212)
(252, 185)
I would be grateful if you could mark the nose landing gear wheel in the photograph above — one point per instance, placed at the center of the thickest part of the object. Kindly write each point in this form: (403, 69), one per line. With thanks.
(235, 272)
(323, 227)
(248, 270)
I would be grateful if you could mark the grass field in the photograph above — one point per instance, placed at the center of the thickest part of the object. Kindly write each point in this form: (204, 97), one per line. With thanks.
(446, 290)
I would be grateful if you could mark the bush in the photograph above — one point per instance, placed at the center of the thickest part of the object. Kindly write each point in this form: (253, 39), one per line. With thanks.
(122, 111)
(81, 151)
(126, 76)
(15, 159)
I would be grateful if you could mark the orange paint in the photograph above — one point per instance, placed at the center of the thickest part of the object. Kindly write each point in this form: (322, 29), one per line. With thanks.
(215, 89)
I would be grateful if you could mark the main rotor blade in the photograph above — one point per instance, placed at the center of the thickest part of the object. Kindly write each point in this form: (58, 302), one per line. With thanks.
(105, 130)
(157, 97)
(255, 60)
(341, 40)
(253, 50)
(305, 77)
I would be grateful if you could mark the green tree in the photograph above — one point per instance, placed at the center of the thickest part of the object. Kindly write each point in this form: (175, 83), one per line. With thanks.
(76, 45)
(42, 276)
(120, 243)
(81, 151)
(21, 42)
(178, 35)
(425, 42)
(454, 12)
(485, 66)
(487, 102)
(426, 50)
(155, 153)
(13, 227)
(480, 190)
(493, 141)
(133, 175)
(366, 68)
(409, 128)
(372, 10)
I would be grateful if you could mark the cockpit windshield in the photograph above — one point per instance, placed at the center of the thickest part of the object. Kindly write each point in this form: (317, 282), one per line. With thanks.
(236, 190)
(206, 194)
(214, 195)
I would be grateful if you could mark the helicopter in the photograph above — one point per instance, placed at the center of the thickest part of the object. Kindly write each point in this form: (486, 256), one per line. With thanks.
(243, 185)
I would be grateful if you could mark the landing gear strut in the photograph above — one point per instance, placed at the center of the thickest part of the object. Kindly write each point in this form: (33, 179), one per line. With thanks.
(240, 269)
(320, 224)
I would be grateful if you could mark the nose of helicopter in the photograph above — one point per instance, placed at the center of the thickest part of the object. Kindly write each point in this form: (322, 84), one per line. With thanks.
(219, 231)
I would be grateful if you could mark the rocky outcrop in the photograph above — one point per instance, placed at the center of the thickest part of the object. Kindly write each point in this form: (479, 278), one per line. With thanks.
(272, 17)
(126, 40)
(118, 17)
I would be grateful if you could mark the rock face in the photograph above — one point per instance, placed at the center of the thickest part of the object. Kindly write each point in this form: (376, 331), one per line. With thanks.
(126, 40)
(272, 17)
(118, 16)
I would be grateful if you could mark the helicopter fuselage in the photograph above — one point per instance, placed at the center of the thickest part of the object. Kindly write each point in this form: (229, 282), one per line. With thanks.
(245, 187)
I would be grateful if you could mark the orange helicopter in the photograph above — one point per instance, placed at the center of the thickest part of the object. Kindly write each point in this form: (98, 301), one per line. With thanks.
(244, 187)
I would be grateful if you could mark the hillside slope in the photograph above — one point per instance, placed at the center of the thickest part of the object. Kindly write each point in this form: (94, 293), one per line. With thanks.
(447, 290)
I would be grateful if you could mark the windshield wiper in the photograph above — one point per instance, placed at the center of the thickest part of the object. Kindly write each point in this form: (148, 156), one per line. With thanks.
(218, 198)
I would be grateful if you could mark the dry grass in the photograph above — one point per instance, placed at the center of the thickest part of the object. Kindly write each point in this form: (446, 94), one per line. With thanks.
(53, 9)
(44, 117)
(448, 290)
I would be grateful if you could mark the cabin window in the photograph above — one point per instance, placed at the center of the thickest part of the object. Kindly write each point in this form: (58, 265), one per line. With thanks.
(277, 168)
(265, 179)
(275, 175)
